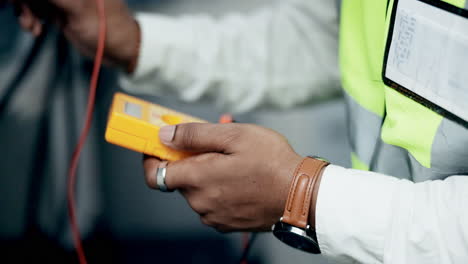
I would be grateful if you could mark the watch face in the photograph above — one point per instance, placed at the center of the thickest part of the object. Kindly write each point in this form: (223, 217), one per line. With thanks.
(296, 237)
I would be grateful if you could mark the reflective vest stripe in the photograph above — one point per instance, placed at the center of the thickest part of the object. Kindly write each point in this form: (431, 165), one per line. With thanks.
(363, 138)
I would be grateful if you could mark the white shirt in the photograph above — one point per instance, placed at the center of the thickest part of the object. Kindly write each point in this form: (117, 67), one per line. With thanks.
(286, 55)
(282, 55)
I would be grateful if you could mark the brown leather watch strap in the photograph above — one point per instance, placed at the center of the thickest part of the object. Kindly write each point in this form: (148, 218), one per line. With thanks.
(296, 212)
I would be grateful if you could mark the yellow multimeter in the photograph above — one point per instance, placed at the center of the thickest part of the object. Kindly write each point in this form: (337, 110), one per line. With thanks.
(134, 124)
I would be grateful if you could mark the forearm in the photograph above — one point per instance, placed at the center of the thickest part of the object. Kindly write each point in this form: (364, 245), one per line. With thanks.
(373, 218)
(280, 55)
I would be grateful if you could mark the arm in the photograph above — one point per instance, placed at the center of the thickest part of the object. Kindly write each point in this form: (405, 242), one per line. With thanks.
(241, 181)
(372, 218)
(282, 55)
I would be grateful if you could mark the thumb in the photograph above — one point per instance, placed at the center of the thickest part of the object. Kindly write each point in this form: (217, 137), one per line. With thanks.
(200, 137)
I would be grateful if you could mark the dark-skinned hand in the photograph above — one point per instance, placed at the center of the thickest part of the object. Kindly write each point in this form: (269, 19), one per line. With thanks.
(79, 22)
(239, 182)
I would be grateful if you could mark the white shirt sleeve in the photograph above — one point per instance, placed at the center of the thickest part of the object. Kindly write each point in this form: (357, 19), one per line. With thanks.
(367, 217)
(282, 55)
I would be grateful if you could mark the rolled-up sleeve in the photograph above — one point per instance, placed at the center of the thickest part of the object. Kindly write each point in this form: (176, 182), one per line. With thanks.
(282, 55)
(368, 217)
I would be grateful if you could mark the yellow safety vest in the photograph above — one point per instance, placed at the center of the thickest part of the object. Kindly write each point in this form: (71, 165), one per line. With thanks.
(389, 132)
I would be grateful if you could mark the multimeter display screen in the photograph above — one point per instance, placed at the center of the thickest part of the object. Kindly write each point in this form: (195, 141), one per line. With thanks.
(132, 109)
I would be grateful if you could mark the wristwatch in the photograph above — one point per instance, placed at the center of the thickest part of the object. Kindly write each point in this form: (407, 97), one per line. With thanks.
(293, 228)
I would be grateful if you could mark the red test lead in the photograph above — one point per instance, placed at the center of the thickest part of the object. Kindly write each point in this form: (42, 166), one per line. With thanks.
(84, 134)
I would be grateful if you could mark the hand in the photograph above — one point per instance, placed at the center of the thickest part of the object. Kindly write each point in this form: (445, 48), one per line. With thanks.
(79, 22)
(241, 180)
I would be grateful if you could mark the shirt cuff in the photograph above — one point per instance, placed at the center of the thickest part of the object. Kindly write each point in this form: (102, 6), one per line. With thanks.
(158, 35)
(151, 29)
(353, 214)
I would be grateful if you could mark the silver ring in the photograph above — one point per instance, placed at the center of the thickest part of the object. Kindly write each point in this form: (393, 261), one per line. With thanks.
(161, 177)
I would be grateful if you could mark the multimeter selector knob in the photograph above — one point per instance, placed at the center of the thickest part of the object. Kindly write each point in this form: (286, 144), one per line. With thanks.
(172, 119)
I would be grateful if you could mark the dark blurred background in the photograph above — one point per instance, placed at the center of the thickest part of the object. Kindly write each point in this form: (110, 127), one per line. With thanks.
(43, 88)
